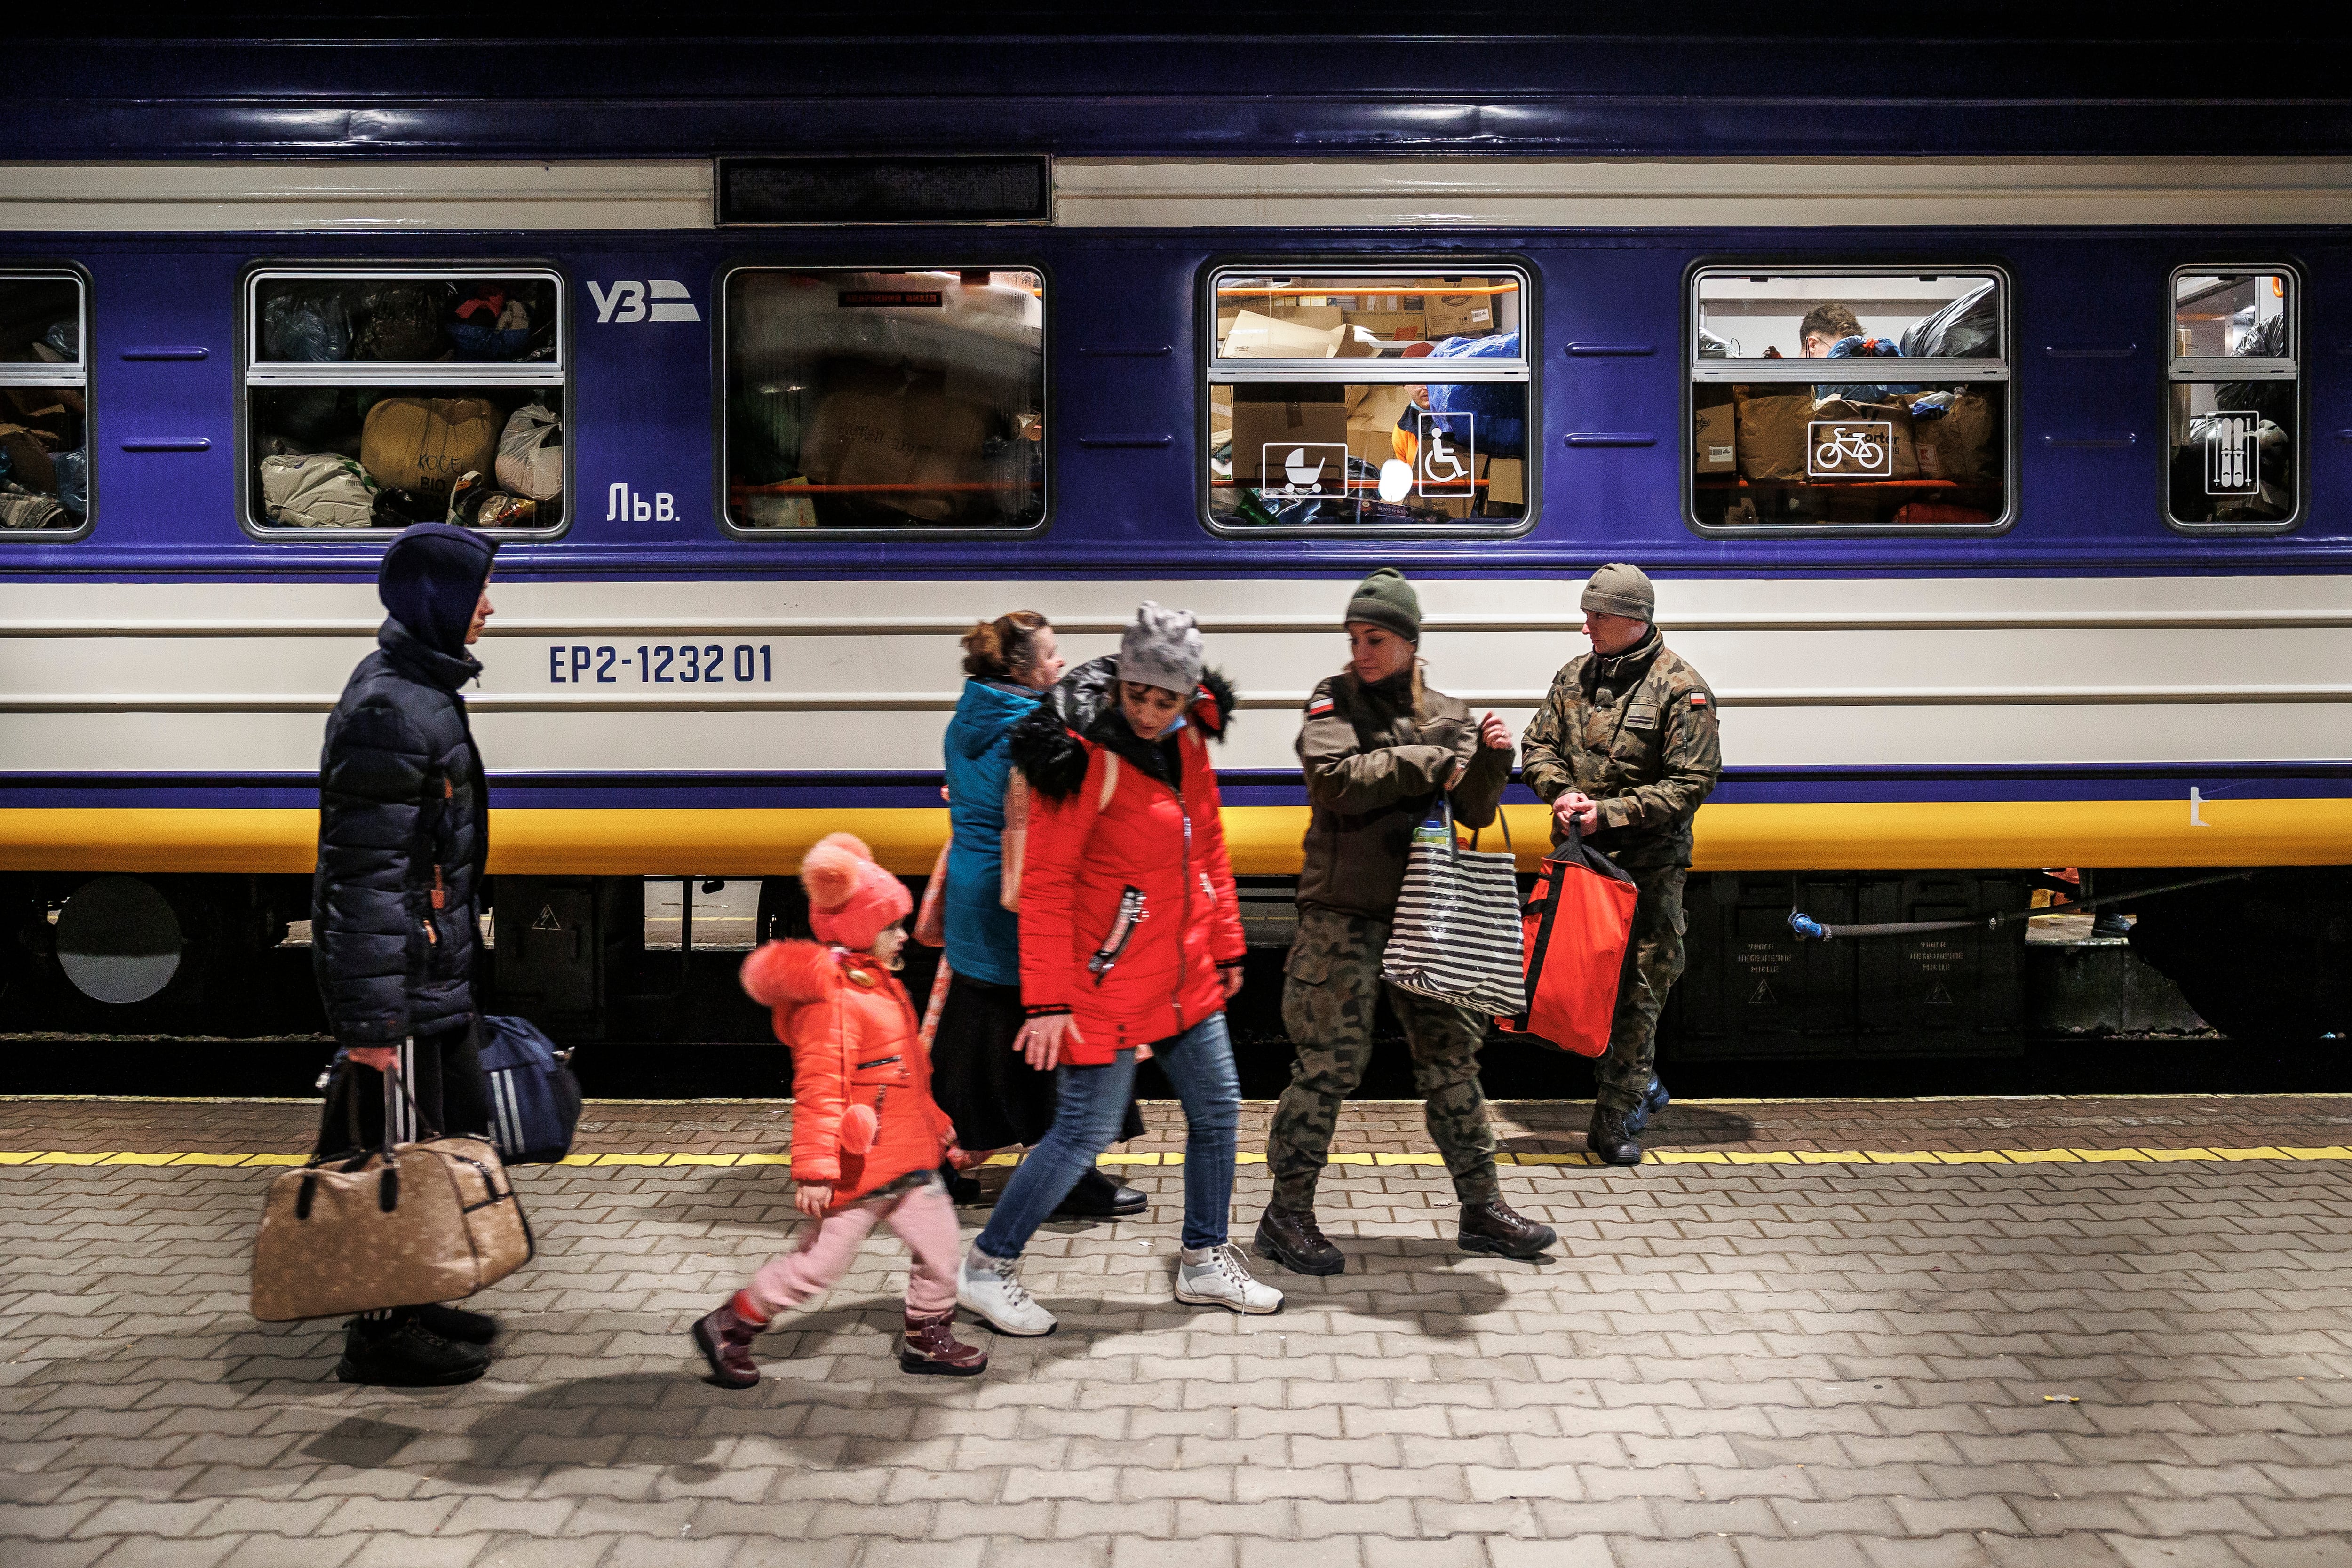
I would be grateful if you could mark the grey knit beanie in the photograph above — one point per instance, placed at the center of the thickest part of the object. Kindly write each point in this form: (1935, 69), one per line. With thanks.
(1618, 589)
(1387, 600)
(1162, 649)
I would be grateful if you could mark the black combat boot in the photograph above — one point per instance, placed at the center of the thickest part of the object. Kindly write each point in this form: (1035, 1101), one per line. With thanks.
(400, 1351)
(1495, 1226)
(1097, 1196)
(1291, 1239)
(1609, 1139)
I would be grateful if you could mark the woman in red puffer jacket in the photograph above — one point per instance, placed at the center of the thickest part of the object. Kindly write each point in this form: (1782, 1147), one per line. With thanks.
(867, 1138)
(1131, 944)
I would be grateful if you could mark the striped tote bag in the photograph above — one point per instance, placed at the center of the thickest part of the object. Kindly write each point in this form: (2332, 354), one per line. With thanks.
(1457, 931)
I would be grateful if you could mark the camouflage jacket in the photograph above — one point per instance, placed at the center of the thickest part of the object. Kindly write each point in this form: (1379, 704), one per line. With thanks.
(1373, 771)
(1636, 732)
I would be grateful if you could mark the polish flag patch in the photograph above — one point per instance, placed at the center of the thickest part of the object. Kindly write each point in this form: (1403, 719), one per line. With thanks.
(1320, 708)
(1698, 699)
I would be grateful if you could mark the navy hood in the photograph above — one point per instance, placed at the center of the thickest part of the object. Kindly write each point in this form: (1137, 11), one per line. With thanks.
(431, 580)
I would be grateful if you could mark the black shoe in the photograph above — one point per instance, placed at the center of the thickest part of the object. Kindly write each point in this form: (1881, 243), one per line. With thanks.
(402, 1353)
(1499, 1229)
(1608, 1138)
(1291, 1239)
(1097, 1196)
(456, 1324)
(962, 1191)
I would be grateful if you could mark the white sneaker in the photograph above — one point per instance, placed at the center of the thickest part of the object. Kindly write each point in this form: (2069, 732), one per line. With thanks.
(1216, 1277)
(990, 1286)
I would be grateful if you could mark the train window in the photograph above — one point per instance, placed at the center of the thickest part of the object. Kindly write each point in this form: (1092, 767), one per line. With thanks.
(379, 398)
(901, 401)
(1348, 399)
(2235, 386)
(1900, 418)
(44, 403)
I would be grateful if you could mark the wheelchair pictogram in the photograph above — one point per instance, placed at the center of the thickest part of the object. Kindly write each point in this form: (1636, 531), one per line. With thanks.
(1445, 466)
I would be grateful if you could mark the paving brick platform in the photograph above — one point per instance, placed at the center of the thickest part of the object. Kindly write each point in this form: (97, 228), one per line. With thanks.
(1855, 1364)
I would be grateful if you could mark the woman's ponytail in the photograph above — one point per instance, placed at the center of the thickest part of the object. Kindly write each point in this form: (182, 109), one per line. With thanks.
(1003, 649)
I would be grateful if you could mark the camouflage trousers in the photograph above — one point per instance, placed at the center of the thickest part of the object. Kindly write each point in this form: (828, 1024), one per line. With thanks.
(1330, 993)
(1653, 962)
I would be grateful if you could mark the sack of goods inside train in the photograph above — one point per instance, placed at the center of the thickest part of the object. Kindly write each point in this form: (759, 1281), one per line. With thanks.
(531, 453)
(1935, 436)
(423, 444)
(475, 502)
(317, 491)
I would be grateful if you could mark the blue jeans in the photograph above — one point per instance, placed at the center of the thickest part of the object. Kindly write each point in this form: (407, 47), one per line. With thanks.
(1093, 1102)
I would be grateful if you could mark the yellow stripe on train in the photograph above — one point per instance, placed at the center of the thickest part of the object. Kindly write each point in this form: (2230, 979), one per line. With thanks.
(721, 842)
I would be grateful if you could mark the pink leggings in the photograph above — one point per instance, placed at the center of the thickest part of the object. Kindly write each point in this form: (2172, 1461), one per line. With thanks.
(924, 1218)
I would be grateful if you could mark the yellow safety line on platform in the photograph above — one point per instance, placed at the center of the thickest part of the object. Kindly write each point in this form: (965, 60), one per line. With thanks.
(1653, 1156)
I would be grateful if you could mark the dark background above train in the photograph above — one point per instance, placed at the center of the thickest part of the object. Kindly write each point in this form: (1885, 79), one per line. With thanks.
(1710, 79)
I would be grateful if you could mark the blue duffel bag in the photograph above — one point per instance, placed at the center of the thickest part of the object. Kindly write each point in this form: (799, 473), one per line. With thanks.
(534, 1098)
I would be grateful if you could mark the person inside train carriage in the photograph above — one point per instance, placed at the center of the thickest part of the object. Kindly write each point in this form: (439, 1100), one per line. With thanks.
(396, 906)
(1130, 946)
(1830, 330)
(1624, 749)
(1379, 747)
(986, 1086)
(868, 1137)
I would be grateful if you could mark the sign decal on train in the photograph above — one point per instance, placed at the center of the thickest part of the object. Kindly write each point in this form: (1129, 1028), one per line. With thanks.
(661, 663)
(624, 505)
(624, 301)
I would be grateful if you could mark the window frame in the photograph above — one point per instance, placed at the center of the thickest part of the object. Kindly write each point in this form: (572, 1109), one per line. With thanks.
(1211, 371)
(721, 507)
(401, 373)
(82, 375)
(2179, 368)
(2002, 369)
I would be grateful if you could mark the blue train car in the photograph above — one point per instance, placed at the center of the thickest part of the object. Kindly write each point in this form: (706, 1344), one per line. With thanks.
(787, 360)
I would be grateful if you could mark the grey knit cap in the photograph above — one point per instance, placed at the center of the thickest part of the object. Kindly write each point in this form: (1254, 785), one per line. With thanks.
(1162, 649)
(1618, 589)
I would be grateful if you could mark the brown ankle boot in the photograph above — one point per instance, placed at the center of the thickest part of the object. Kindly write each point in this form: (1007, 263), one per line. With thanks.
(930, 1347)
(1495, 1226)
(724, 1338)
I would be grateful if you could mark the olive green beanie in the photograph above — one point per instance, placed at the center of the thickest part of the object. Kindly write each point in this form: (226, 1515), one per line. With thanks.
(1618, 589)
(1387, 600)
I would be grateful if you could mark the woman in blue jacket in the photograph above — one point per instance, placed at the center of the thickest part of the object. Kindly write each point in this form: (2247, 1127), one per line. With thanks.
(995, 1099)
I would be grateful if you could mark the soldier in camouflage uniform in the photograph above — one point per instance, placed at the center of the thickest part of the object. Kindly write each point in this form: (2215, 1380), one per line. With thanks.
(1377, 749)
(1626, 746)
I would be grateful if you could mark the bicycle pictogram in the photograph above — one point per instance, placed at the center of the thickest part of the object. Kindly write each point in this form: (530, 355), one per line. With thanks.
(1858, 451)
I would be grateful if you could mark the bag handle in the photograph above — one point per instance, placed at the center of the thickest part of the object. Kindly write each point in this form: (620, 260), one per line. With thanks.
(1500, 817)
(396, 1089)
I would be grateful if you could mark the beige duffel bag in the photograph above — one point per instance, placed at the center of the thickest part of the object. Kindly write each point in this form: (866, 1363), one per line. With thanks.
(431, 1221)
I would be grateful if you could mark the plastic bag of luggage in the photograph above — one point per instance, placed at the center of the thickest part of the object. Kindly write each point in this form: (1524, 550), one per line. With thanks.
(531, 453)
(534, 1098)
(1456, 933)
(490, 326)
(475, 502)
(73, 480)
(399, 321)
(425, 444)
(1577, 924)
(1967, 328)
(316, 489)
(21, 508)
(307, 324)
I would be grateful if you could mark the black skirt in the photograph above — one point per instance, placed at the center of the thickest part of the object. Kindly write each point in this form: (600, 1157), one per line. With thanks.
(995, 1099)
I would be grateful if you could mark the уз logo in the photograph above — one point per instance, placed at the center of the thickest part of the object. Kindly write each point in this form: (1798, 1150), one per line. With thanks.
(625, 302)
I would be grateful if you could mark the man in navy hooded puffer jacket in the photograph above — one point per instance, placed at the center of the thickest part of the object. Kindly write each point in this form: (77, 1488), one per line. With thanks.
(396, 900)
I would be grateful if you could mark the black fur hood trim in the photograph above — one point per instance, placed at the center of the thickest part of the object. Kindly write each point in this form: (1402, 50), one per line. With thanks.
(1047, 744)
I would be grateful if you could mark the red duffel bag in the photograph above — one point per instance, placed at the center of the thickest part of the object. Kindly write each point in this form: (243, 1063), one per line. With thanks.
(1577, 925)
